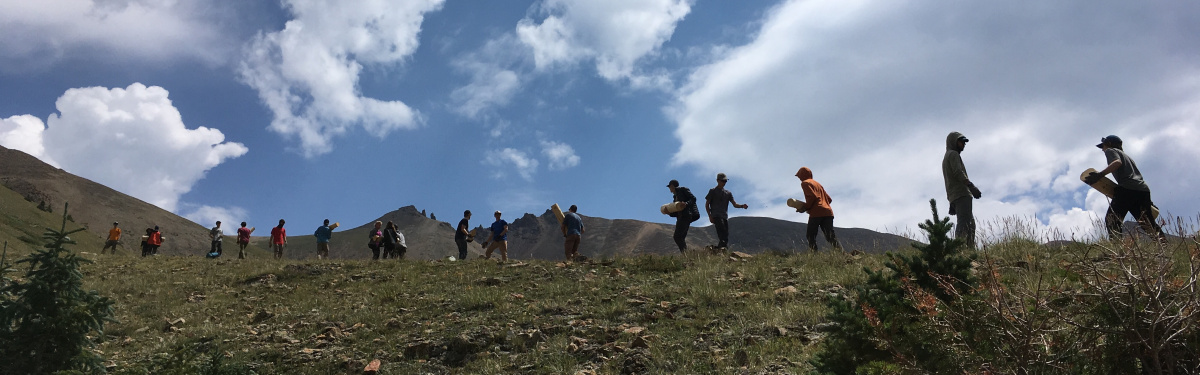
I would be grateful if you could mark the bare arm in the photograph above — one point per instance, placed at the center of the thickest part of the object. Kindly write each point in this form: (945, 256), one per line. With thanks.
(1112, 167)
(736, 205)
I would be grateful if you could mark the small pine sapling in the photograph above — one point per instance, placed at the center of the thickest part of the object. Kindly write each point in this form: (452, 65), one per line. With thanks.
(46, 316)
(880, 326)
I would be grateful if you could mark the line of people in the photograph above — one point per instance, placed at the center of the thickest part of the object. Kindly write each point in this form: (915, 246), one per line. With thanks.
(716, 204)
(150, 242)
(1131, 196)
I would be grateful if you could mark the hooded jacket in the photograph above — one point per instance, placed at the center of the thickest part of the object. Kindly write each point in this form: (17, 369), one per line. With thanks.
(953, 170)
(816, 200)
(691, 212)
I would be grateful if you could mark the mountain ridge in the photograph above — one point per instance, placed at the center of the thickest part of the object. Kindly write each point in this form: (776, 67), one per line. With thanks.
(94, 206)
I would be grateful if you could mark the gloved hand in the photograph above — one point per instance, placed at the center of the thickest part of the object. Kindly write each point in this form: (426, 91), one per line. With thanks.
(974, 191)
(952, 209)
(1093, 178)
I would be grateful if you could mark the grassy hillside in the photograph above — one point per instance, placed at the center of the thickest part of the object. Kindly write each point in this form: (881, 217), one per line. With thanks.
(695, 313)
(22, 225)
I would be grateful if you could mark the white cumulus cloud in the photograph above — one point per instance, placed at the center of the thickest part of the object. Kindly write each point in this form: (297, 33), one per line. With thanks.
(506, 158)
(24, 132)
(561, 155)
(614, 34)
(132, 140)
(208, 216)
(38, 32)
(493, 78)
(865, 92)
(308, 73)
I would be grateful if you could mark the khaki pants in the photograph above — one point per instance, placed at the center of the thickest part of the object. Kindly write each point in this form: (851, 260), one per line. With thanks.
(571, 247)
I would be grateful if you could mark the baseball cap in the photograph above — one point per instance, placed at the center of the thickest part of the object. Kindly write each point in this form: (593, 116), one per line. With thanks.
(1111, 140)
(721, 177)
(673, 183)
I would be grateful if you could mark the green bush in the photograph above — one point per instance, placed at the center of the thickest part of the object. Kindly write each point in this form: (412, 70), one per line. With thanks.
(882, 322)
(1112, 308)
(46, 316)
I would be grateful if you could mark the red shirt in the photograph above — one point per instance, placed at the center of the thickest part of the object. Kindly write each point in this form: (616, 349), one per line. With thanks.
(278, 234)
(243, 235)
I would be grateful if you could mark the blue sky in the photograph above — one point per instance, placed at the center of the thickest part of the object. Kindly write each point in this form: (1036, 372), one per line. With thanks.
(307, 109)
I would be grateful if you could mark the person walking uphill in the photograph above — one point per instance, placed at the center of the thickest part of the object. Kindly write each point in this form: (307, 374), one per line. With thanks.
(375, 240)
(461, 235)
(323, 234)
(959, 189)
(499, 239)
(1132, 194)
(716, 204)
(572, 229)
(393, 242)
(818, 205)
(243, 240)
(684, 218)
(217, 236)
(278, 239)
(154, 240)
(114, 238)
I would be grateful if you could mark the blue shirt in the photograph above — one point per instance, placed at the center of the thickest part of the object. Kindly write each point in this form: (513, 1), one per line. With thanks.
(497, 229)
(323, 234)
(573, 222)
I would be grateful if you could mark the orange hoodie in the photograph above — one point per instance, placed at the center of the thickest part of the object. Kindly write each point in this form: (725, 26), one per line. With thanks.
(816, 200)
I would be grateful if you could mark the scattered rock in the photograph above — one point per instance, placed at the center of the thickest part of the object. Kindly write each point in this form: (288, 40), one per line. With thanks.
(740, 295)
(825, 327)
(372, 368)
(261, 316)
(283, 337)
(174, 325)
(635, 330)
(419, 350)
(741, 358)
(790, 289)
(634, 362)
(196, 297)
(639, 343)
(740, 255)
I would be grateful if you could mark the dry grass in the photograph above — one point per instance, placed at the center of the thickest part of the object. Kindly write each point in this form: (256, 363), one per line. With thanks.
(694, 313)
